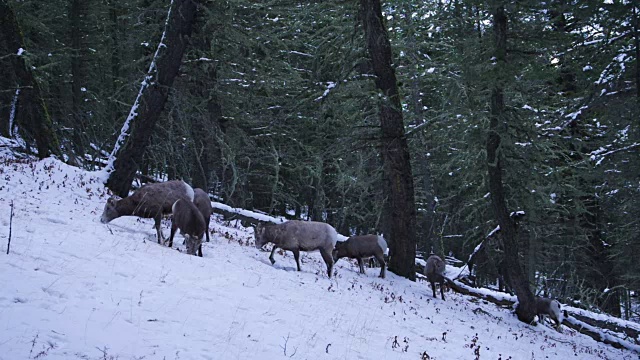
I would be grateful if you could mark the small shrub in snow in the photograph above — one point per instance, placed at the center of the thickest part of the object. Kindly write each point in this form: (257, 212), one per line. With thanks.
(45, 348)
(404, 347)
(473, 345)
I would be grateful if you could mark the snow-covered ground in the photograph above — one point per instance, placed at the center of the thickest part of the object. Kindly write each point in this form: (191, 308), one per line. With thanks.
(73, 288)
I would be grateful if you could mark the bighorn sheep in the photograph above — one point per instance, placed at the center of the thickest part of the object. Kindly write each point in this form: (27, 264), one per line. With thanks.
(150, 201)
(550, 307)
(295, 235)
(203, 203)
(434, 271)
(364, 246)
(189, 220)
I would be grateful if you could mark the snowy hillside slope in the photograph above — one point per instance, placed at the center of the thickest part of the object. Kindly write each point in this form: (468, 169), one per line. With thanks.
(73, 288)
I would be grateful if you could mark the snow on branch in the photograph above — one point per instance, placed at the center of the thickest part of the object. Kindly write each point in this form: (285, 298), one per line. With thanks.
(148, 79)
(300, 53)
(492, 232)
(607, 74)
(330, 85)
(477, 249)
(599, 155)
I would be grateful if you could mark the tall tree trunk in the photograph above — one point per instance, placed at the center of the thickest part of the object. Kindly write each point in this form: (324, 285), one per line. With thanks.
(319, 198)
(513, 271)
(599, 271)
(426, 238)
(78, 13)
(206, 130)
(636, 43)
(216, 140)
(136, 133)
(395, 150)
(116, 58)
(31, 111)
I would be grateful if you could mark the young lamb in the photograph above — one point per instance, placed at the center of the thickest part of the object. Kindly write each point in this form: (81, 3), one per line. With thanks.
(434, 270)
(189, 220)
(295, 235)
(550, 307)
(150, 201)
(203, 203)
(364, 246)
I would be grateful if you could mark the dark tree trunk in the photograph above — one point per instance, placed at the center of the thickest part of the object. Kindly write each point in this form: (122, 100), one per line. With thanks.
(78, 12)
(599, 271)
(319, 198)
(116, 58)
(31, 112)
(395, 150)
(216, 140)
(206, 130)
(636, 43)
(7, 95)
(513, 272)
(128, 157)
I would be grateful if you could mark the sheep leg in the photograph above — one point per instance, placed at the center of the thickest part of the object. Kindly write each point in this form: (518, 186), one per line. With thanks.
(441, 289)
(383, 265)
(158, 230)
(174, 228)
(271, 256)
(191, 244)
(433, 288)
(207, 231)
(328, 259)
(558, 326)
(361, 265)
(296, 255)
(541, 318)
(200, 250)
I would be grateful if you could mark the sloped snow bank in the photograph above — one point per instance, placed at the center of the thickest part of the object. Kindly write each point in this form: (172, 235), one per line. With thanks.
(73, 288)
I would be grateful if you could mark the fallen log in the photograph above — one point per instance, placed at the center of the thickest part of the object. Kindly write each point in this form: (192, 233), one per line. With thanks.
(631, 332)
(598, 335)
(505, 300)
(230, 214)
(594, 331)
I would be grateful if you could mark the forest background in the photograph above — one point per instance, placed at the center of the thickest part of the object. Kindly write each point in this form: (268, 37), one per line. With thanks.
(273, 106)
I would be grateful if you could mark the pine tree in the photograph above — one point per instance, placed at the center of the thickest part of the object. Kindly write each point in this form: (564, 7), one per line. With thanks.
(395, 151)
(29, 109)
(127, 155)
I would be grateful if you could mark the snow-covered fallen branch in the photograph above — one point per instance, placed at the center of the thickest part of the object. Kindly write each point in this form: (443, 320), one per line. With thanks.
(246, 216)
(594, 331)
(631, 330)
(598, 335)
(497, 298)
